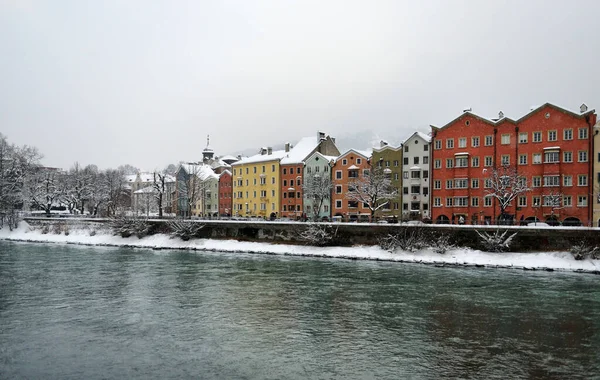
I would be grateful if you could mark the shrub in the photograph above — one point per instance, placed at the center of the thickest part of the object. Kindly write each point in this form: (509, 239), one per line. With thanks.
(408, 239)
(125, 227)
(442, 244)
(585, 250)
(317, 234)
(185, 230)
(496, 242)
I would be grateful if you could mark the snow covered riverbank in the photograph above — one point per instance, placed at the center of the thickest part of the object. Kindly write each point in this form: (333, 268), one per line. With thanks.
(560, 261)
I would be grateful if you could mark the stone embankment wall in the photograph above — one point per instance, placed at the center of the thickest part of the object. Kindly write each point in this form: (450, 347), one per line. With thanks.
(528, 239)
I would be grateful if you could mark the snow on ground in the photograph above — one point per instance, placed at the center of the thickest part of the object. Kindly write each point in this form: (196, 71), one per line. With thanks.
(562, 261)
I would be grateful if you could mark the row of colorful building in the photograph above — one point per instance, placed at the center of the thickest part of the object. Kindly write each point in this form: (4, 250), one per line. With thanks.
(440, 176)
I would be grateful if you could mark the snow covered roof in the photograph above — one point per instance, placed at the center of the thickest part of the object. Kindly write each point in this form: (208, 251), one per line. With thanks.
(424, 136)
(552, 148)
(202, 171)
(461, 154)
(300, 151)
(145, 190)
(276, 155)
(415, 168)
(130, 178)
(364, 153)
(224, 172)
(229, 158)
(353, 167)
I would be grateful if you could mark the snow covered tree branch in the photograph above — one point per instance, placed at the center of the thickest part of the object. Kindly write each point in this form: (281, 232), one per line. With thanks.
(374, 190)
(505, 184)
(317, 188)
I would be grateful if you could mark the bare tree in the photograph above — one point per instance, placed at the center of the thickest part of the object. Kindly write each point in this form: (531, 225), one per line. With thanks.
(114, 191)
(16, 164)
(505, 184)
(374, 190)
(47, 189)
(553, 199)
(317, 190)
(160, 188)
(191, 186)
(128, 169)
(79, 187)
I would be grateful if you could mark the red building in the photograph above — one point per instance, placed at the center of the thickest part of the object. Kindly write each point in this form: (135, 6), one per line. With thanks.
(550, 147)
(349, 167)
(225, 193)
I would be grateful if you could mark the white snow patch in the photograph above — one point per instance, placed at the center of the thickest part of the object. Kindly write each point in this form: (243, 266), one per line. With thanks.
(561, 261)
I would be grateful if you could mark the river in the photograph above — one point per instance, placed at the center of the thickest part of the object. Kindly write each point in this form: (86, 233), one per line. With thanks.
(71, 312)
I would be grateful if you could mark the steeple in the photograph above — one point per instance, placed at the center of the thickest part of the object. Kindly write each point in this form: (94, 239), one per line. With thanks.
(207, 153)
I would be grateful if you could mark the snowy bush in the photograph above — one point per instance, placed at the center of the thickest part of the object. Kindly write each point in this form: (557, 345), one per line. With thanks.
(441, 244)
(585, 250)
(45, 229)
(184, 229)
(408, 239)
(317, 234)
(125, 227)
(496, 242)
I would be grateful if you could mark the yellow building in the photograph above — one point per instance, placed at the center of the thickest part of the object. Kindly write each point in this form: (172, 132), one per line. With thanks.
(256, 185)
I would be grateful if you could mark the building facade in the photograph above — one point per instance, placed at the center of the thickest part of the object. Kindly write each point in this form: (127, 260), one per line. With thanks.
(549, 147)
(256, 180)
(318, 167)
(225, 193)
(389, 159)
(415, 177)
(348, 167)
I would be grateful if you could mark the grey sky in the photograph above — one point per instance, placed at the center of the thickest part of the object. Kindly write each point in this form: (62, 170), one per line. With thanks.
(144, 82)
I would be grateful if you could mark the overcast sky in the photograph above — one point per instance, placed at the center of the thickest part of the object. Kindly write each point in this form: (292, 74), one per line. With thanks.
(143, 82)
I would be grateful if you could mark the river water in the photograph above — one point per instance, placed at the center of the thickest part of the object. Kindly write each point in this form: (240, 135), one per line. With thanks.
(69, 312)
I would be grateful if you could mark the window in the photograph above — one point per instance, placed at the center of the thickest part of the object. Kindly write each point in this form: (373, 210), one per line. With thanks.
(537, 158)
(396, 176)
(552, 136)
(583, 156)
(338, 189)
(567, 156)
(416, 160)
(284, 171)
(449, 202)
(505, 159)
(488, 161)
(462, 142)
(338, 174)
(461, 201)
(551, 201)
(273, 168)
(415, 189)
(551, 181)
(551, 157)
(475, 183)
(487, 202)
(449, 163)
(437, 202)
(344, 162)
(568, 134)
(536, 201)
(522, 159)
(405, 175)
(425, 160)
(567, 180)
(505, 139)
(567, 201)
(487, 183)
(475, 201)
(396, 163)
(426, 148)
(522, 201)
(537, 136)
(489, 140)
(425, 190)
(583, 133)
(425, 173)
(475, 162)
(460, 183)
(536, 181)
(462, 162)
(359, 161)
(582, 199)
(405, 206)
(405, 160)
(449, 143)
(437, 184)
(523, 136)
(338, 203)
(438, 144)
(405, 148)
(437, 164)
(415, 174)
(475, 142)
(449, 184)
(582, 180)
(254, 168)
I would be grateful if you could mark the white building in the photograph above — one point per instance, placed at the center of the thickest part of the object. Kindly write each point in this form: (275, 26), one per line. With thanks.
(416, 188)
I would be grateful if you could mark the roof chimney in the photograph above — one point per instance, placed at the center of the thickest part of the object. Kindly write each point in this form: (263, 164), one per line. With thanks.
(320, 136)
(263, 151)
(468, 109)
(287, 147)
(500, 115)
(269, 150)
(583, 108)
(383, 143)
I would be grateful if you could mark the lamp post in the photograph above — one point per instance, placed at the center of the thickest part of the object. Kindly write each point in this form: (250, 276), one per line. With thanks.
(536, 204)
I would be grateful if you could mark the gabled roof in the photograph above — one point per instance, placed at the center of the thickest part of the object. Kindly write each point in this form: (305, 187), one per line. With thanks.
(364, 153)
(276, 155)
(533, 111)
(300, 151)
(146, 190)
(226, 171)
(326, 158)
(202, 171)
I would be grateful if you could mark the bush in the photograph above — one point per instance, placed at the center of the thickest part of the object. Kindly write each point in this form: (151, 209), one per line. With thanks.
(442, 244)
(585, 250)
(317, 234)
(496, 242)
(125, 227)
(408, 239)
(185, 230)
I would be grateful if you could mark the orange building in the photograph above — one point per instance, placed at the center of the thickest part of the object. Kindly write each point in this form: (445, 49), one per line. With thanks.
(550, 146)
(348, 167)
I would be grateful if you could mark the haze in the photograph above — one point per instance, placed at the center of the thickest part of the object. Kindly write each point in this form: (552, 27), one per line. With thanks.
(144, 82)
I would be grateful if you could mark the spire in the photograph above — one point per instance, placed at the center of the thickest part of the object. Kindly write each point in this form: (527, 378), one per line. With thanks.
(207, 153)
